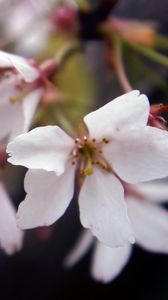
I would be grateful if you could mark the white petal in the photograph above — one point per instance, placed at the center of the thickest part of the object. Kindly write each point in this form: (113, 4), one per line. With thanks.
(8, 110)
(150, 224)
(155, 191)
(108, 263)
(31, 43)
(45, 148)
(82, 245)
(11, 120)
(139, 155)
(103, 209)
(48, 196)
(8, 60)
(8, 87)
(130, 110)
(35, 41)
(11, 237)
(30, 104)
(20, 113)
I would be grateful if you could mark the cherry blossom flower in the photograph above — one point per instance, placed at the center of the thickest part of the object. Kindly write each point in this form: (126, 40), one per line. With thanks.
(29, 17)
(15, 118)
(11, 237)
(116, 146)
(150, 224)
(32, 17)
(17, 103)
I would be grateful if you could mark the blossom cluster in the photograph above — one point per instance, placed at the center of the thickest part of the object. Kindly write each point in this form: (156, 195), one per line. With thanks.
(110, 156)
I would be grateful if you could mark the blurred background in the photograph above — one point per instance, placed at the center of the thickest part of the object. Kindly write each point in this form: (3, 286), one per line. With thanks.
(37, 271)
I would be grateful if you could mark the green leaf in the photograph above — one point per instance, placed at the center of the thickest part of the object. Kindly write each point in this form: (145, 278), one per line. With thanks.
(74, 79)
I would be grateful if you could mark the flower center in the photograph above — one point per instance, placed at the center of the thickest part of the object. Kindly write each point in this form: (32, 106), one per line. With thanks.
(87, 153)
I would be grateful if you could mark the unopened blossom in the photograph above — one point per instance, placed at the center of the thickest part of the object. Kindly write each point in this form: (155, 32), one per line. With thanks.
(155, 117)
(116, 146)
(11, 237)
(134, 31)
(18, 104)
(150, 224)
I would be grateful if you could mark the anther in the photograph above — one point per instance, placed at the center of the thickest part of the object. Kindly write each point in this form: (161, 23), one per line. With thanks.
(93, 140)
(85, 138)
(105, 141)
(77, 140)
(74, 152)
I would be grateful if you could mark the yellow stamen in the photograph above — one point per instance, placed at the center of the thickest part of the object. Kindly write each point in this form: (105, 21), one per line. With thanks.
(105, 141)
(19, 97)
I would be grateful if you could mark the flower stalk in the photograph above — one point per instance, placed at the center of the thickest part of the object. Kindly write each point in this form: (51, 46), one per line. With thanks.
(119, 66)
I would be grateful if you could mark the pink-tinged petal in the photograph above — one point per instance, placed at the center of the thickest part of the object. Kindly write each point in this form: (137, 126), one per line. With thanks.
(8, 88)
(31, 43)
(108, 262)
(155, 191)
(139, 155)
(11, 120)
(81, 247)
(11, 237)
(20, 113)
(45, 148)
(30, 104)
(103, 209)
(8, 60)
(48, 196)
(128, 111)
(150, 223)
(8, 110)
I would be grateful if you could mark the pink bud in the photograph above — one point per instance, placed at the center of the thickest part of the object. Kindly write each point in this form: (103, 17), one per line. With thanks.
(65, 18)
(44, 233)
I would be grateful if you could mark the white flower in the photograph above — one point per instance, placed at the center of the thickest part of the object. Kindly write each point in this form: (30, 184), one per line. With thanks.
(118, 145)
(11, 237)
(16, 114)
(150, 224)
(32, 17)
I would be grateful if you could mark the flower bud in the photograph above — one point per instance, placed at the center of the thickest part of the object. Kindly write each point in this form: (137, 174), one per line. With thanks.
(44, 233)
(155, 119)
(65, 18)
(134, 31)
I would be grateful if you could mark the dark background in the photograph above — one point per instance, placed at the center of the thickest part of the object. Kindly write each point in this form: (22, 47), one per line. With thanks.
(37, 272)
